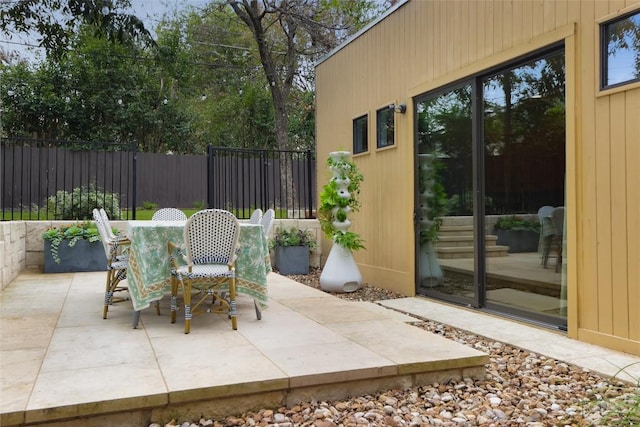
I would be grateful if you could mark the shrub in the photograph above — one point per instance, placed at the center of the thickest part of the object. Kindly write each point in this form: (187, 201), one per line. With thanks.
(149, 206)
(79, 204)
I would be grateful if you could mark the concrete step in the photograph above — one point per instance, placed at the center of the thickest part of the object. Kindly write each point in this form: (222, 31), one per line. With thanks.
(467, 251)
(456, 230)
(456, 241)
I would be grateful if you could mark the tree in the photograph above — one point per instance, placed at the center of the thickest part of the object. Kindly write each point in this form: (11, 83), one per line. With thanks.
(56, 21)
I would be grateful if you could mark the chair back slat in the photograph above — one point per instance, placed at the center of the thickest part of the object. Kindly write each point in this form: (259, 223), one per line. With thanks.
(211, 236)
(267, 221)
(256, 217)
(169, 214)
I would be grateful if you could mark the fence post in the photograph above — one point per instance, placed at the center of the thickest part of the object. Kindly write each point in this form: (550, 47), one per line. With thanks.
(134, 175)
(310, 189)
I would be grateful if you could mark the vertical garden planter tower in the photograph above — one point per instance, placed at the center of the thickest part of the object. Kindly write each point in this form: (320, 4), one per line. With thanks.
(338, 199)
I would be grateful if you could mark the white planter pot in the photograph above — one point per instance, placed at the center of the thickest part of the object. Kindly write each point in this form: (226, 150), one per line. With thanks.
(340, 272)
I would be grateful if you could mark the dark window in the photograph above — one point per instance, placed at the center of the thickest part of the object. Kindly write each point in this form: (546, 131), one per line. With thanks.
(385, 125)
(360, 135)
(620, 50)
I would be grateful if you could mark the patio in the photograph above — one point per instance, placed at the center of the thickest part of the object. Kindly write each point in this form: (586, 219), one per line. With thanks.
(62, 362)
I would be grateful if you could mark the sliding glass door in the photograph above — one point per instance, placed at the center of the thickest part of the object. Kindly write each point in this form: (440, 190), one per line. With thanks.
(490, 168)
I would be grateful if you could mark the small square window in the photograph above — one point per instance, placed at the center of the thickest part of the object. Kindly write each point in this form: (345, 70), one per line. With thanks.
(619, 54)
(360, 135)
(385, 124)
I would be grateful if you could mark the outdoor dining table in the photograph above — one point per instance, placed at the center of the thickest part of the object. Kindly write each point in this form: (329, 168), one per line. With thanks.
(149, 272)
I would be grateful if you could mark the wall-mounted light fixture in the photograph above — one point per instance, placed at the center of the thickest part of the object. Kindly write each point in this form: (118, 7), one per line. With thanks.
(398, 108)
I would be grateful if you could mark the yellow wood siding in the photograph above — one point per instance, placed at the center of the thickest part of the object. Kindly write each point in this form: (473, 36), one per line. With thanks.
(426, 44)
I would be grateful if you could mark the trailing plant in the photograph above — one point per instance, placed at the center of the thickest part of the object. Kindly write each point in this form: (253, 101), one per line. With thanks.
(85, 230)
(437, 202)
(513, 222)
(293, 237)
(79, 204)
(334, 207)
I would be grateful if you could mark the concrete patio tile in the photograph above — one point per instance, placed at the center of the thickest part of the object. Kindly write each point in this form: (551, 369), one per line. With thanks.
(621, 365)
(385, 312)
(329, 362)
(19, 371)
(283, 329)
(281, 288)
(27, 331)
(31, 302)
(406, 344)
(222, 359)
(71, 393)
(331, 311)
(97, 349)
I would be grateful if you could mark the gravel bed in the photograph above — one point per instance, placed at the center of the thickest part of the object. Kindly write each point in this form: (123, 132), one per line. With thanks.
(520, 389)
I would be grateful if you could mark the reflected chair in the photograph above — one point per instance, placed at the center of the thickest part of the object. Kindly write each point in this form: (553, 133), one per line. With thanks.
(169, 214)
(267, 221)
(544, 215)
(557, 218)
(210, 244)
(256, 217)
(117, 262)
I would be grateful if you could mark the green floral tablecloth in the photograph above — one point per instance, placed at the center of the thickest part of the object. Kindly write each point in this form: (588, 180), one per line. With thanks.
(149, 273)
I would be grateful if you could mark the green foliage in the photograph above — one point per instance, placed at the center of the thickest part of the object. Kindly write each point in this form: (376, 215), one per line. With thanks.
(293, 237)
(349, 240)
(199, 204)
(80, 203)
(149, 206)
(437, 202)
(85, 230)
(514, 222)
(330, 199)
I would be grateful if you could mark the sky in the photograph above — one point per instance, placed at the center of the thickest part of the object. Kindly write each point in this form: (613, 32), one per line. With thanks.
(150, 11)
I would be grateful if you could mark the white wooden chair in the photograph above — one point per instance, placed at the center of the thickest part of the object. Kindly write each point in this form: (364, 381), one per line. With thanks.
(169, 214)
(210, 243)
(117, 262)
(256, 217)
(267, 221)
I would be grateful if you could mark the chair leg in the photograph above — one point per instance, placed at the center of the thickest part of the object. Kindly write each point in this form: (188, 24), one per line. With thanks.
(108, 294)
(187, 307)
(174, 299)
(232, 301)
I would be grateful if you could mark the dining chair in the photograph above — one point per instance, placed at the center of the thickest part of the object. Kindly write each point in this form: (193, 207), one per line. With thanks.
(267, 221)
(117, 262)
(169, 214)
(256, 217)
(557, 217)
(210, 243)
(109, 229)
(544, 215)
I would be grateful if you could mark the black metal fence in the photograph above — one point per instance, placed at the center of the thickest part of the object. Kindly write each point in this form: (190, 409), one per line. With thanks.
(50, 179)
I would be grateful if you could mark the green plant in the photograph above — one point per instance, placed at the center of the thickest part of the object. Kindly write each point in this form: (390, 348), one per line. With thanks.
(149, 206)
(85, 230)
(199, 204)
(293, 237)
(79, 204)
(437, 202)
(334, 207)
(513, 222)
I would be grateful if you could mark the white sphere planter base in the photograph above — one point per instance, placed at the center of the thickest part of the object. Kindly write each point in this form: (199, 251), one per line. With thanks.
(340, 272)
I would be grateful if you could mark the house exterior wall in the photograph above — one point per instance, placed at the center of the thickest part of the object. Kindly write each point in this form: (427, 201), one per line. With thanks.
(423, 45)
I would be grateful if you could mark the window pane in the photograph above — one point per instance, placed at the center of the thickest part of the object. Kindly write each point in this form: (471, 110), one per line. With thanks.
(622, 57)
(385, 125)
(360, 135)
